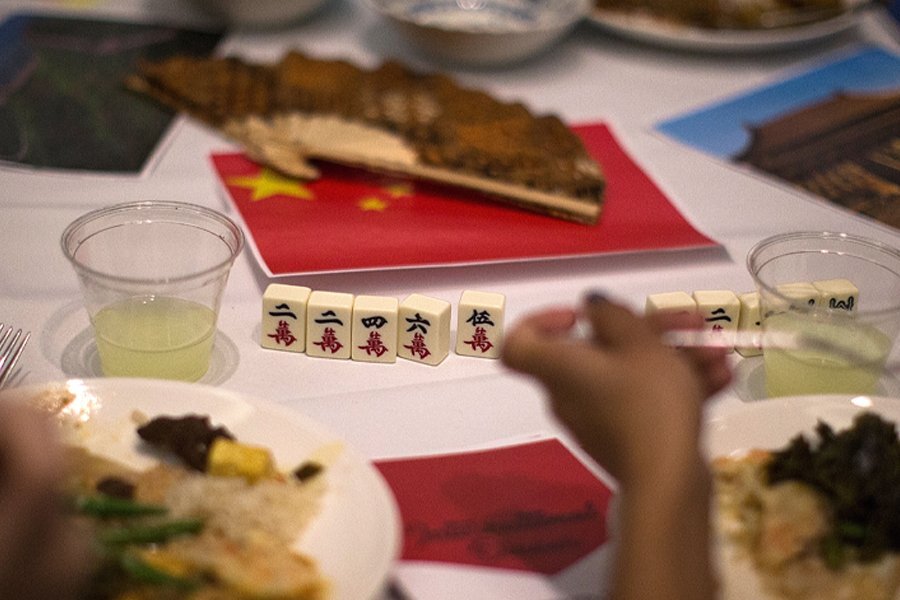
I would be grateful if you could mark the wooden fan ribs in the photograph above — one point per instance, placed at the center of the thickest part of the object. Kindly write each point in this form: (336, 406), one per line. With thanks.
(460, 136)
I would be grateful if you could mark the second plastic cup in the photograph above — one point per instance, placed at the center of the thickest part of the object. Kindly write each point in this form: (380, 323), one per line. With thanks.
(845, 342)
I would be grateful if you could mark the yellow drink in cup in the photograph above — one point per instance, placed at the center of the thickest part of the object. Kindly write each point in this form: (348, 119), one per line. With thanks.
(152, 274)
(161, 337)
(818, 370)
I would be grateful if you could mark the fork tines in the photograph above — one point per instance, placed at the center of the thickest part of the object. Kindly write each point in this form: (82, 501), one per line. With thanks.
(11, 347)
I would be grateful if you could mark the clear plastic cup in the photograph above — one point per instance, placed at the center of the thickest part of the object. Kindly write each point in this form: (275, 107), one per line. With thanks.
(152, 274)
(844, 340)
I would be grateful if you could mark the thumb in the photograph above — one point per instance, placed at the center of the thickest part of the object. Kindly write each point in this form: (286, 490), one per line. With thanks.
(541, 346)
(525, 347)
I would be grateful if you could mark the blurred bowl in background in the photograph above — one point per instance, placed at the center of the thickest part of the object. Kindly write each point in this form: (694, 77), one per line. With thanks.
(483, 32)
(259, 13)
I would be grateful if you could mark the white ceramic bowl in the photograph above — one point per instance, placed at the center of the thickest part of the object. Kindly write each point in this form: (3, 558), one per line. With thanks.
(259, 13)
(483, 32)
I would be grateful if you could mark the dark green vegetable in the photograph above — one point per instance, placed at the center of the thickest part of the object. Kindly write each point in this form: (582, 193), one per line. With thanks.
(139, 570)
(114, 486)
(149, 534)
(104, 506)
(858, 471)
(307, 470)
(833, 552)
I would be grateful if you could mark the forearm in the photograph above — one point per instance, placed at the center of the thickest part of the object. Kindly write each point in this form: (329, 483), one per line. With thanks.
(664, 541)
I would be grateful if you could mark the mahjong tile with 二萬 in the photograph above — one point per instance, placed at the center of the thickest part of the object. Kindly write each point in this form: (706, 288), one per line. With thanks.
(721, 311)
(283, 325)
(328, 324)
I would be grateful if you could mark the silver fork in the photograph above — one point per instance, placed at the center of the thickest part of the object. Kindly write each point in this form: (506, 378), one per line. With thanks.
(11, 347)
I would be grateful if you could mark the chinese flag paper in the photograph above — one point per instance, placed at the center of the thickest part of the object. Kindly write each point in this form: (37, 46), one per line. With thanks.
(351, 219)
(530, 507)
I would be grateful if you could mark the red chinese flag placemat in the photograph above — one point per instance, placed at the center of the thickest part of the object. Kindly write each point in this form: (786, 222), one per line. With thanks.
(351, 219)
(530, 507)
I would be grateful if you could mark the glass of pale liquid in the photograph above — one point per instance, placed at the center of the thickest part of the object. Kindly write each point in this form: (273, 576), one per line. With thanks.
(830, 308)
(153, 274)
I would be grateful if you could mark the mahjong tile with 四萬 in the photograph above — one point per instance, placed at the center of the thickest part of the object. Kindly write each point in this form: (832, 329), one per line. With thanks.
(374, 330)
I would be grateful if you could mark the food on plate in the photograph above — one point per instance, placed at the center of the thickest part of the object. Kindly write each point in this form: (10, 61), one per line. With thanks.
(386, 119)
(818, 518)
(218, 523)
(730, 14)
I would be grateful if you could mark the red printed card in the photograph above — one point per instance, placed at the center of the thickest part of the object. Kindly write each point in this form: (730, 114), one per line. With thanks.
(530, 507)
(351, 219)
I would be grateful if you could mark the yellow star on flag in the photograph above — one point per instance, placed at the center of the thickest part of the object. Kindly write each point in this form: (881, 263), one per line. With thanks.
(373, 204)
(399, 190)
(267, 183)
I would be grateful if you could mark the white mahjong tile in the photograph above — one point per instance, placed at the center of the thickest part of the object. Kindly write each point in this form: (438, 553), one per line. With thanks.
(423, 329)
(720, 310)
(799, 294)
(479, 323)
(750, 322)
(374, 331)
(328, 324)
(838, 293)
(284, 317)
(670, 302)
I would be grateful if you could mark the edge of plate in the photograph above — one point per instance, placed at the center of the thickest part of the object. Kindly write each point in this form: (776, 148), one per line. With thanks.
(662, 33)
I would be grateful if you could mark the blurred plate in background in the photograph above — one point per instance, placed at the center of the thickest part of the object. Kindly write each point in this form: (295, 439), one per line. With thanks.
(483, 32)
(666, 33)
(259, 14)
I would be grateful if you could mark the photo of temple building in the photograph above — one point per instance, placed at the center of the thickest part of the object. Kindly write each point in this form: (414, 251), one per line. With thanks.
(845, 148)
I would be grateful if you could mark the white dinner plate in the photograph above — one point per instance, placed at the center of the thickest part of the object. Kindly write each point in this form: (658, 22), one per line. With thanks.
(355, 539)
(770, 425)
(660, 32)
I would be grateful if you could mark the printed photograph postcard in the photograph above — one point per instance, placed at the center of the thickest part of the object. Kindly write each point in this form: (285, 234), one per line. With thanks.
(833, 131)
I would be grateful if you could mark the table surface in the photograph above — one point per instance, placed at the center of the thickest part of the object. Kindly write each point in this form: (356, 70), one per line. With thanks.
(408, 408)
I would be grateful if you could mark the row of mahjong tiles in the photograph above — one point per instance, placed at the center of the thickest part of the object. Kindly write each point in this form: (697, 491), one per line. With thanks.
(726, 311)
(368, 328)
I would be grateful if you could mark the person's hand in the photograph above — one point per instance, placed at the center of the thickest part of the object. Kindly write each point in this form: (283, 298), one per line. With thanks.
(635, 405)
(42, 554)
(632, 402)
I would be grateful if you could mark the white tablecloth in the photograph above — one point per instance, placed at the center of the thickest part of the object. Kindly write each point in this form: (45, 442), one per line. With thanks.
(408, 408)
